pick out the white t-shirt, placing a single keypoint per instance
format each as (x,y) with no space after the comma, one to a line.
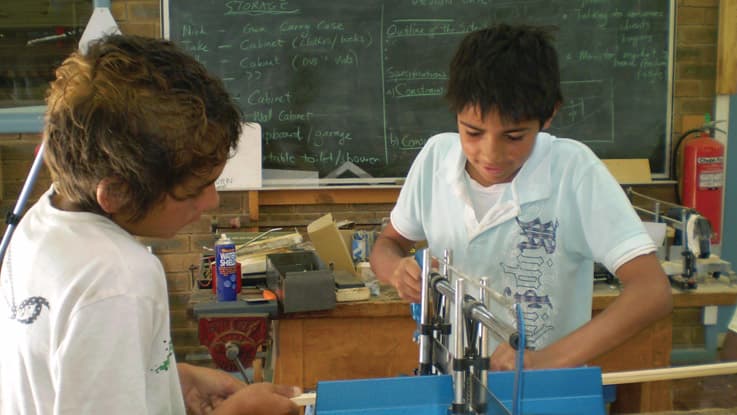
(538,243)
(483,198)
(90,333)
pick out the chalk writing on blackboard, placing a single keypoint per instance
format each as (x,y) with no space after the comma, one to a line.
(360,84)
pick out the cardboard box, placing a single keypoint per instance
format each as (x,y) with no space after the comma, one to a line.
(332,244)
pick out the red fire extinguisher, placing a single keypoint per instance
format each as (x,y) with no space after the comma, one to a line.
(703,179)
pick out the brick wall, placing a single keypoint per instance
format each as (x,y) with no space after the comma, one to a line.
(694,94)
(695,64)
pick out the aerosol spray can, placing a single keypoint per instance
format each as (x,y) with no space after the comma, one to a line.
(225,269)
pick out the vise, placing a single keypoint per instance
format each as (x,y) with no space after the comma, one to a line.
(453,377)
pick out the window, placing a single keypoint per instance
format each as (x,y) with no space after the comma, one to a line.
(35,37)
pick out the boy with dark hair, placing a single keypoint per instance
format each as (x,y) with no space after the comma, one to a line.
(531,211)
(136,133)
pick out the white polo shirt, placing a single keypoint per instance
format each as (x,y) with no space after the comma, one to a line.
(562,212)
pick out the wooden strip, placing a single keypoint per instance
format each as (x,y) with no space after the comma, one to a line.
(305,399)
(707,293)
(727,48)
(253,205)
(669,373)
(327,196)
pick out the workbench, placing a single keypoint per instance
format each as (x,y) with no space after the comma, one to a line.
(369,339)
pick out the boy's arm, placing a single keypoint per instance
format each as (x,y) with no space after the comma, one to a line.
(645,298)
(391,264)
(729,348)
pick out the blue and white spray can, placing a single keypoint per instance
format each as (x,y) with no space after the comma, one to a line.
(226,269)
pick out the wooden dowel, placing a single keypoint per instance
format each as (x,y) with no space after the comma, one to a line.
(305,399)
(669,373)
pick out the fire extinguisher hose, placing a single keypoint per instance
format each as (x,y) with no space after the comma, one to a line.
(674,155)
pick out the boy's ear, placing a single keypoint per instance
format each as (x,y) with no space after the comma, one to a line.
(550,120)
(111,195)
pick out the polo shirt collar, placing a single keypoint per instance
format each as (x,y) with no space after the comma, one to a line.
(533,182)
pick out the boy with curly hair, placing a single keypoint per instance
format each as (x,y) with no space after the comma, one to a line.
(136,133)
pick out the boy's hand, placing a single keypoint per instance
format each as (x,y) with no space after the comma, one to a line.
(260,399)
(505,358)
(406,279)
(210,391)
(204,389)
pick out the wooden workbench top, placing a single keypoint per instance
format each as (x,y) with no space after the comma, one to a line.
(388,303)
(710,292)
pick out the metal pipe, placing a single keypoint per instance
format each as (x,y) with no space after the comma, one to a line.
(675,222)
(502,331)
(499,298)
(445,266)
(652,199)
(479,401)
(459,375)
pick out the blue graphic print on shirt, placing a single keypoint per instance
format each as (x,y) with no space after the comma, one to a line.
(535,255)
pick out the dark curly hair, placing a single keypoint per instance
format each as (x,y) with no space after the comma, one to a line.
(510,69)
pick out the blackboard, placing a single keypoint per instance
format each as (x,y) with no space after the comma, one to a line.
(337,81)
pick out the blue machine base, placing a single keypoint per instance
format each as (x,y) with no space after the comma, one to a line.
(576,391)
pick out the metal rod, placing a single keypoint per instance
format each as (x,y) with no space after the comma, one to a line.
(684,238)
(459,378)
(480,403)
(425,337)
(445,265)
(22,199)
(232,352)
(657,215)
(493,295)
(652,199)
(502,331)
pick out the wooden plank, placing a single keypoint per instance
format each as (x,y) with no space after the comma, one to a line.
(308,398)
(327,196)
(727,48)
(289,360)
(357,348)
